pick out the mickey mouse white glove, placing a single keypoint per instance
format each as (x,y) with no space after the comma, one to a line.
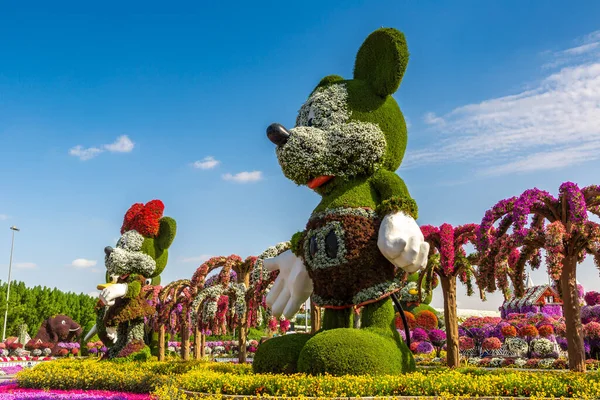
(292,287)
(114,291)
(402,243)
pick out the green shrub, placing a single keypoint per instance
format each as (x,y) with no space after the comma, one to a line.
(348,351)
(279,355)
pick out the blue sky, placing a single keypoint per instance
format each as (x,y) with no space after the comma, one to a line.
(499,98)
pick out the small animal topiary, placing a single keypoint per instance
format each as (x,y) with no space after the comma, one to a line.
(362,238)
(133,267)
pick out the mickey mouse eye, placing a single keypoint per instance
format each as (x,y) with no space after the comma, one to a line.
(311,116)
(148,281)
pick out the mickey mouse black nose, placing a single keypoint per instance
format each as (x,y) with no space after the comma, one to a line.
(108,250)
(278,134)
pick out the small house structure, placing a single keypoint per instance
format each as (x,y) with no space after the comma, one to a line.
(537,299)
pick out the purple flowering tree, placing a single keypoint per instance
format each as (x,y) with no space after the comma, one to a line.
(561,227)
(449,261)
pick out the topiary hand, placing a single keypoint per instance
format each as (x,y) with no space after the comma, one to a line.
(402,243)
(292,287)
(112,292)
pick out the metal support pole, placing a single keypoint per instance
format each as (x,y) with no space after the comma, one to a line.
(12,244)
(306,317)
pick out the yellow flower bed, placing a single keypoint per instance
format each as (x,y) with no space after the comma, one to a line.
(165,378)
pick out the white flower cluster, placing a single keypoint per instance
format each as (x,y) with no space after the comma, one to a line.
(546,363)
(343,150)
(239,306)
(520,362)
(321,260)
(131,240)
(377,291)
(543,347)
(210,293)
(474,361)
(496,362)
(325,107)
(516,345)
(341,211)
(270,252)
(127,258)
(408,297)
(321,302)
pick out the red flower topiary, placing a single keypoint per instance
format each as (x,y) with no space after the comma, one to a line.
(63,352)
(491,343)
(426,320)
(528,331)
(410,320)
(509,331)
(145,219)
(546,330)
(466,343)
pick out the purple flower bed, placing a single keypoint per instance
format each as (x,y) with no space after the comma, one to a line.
(11,370)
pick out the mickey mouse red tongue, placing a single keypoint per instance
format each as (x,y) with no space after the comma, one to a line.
(319,181)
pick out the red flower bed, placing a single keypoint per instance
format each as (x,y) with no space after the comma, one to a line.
(426,320)
(410,320)
(546,331)
(509,331)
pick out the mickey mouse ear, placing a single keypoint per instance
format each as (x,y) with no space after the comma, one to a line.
(381,60)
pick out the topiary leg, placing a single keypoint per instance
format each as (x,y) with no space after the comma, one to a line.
(337,318)
(379,315)
(375,349)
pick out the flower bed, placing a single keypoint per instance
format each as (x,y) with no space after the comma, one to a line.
(26,358)
(167,380)
(9,391)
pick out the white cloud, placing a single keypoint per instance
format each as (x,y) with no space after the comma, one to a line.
(83,263)
(3,217)
(25,265)
(122,145)
(432,119)
(586,49)
(244,177)
(553,125)
(198,259)
(83,153)
(206,163)
(93,294)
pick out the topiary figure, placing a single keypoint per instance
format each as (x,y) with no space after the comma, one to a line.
(349,139)
(409,296)
(133,268)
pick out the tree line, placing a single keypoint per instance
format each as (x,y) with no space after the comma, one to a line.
(34,305)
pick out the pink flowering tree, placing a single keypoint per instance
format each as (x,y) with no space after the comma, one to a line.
(218,303)
(562,228)
(449,261)
(173,307)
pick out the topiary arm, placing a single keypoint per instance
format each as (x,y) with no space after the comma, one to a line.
(134,286)
(296,243)
(393,194)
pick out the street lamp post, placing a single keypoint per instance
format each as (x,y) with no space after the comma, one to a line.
(12,244)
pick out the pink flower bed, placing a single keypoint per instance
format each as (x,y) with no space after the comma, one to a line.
(9,391)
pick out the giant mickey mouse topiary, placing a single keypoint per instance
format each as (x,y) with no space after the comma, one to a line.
(362,239)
